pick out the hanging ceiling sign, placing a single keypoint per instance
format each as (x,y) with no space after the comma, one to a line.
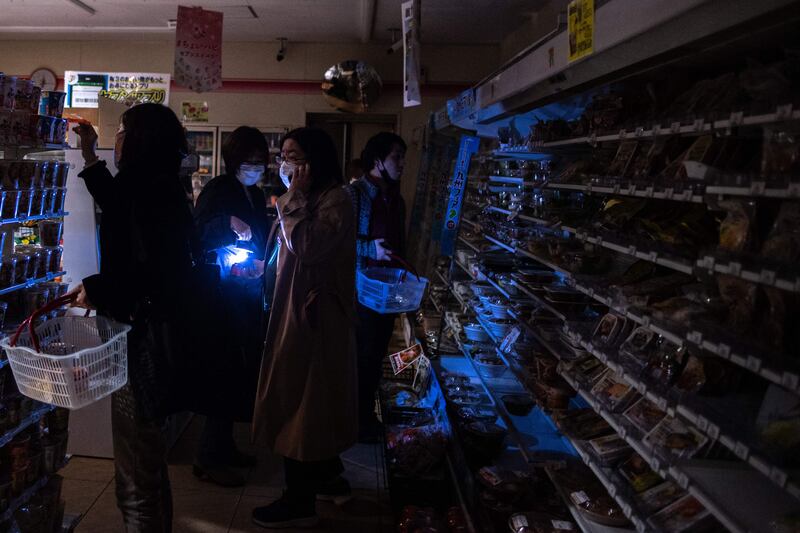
(411,20)
(198,49)
(580,28)
(469,145)
(84,88)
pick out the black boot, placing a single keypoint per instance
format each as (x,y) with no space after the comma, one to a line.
(286,513)
(337,491)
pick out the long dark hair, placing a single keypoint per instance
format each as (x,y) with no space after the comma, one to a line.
(243,143)
(320,156)
(154,139)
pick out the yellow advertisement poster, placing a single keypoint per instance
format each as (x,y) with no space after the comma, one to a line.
(580,17)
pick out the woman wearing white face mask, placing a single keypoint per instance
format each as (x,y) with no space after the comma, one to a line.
(233,225)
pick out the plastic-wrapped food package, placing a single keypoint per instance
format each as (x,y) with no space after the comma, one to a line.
(589,495)
(415,451)
(781,153)
(737,230)
(740,298)
(644,415)
(783,242)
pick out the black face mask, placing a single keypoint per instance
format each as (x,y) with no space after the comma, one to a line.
(386,176)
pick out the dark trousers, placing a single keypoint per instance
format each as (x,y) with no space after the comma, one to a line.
(373,333)
(216,442)
(304,478)
(140,464)
(246,326)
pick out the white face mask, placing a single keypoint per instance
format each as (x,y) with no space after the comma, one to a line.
(286,171)
(249,175)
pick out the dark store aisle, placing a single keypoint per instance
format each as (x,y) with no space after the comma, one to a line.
(201,507)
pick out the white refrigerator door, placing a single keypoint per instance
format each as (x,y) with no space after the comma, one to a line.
(90,427)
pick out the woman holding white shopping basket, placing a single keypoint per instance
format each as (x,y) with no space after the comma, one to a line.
(146,235)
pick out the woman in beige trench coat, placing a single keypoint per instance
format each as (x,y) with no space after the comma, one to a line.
(306,402)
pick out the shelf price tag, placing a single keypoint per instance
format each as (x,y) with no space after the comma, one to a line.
(683,480)
(757,188)
(622,134)
(579,497)
(767,277)
(669,192)
(675,127)
(792,191)
(778,476)
(724,351)
(790,380)
(698,124)
(741,450)
(654,464)
(639,131)
(695,337)
(736,118)
(702,423)
(735,269)
(753,363)
(510,339)
(713,431)
(656,130)
(662,403)
(783,112)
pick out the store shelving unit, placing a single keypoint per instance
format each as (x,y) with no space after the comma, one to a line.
(737,478)
(40,410)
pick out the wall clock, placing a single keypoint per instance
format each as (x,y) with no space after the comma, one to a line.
(44,78)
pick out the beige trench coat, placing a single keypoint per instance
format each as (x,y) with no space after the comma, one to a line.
(306,401)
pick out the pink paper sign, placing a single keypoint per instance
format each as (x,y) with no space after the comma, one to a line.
(198,49)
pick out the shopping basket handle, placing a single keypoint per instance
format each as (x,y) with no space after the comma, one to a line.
(408,266)
(29,322)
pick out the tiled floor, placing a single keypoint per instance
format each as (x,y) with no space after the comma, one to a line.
(202,507)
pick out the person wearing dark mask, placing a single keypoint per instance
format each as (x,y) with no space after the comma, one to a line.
(380,218)
(146,252)
(233,225)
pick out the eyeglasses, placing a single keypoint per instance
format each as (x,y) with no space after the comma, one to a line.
(291,160)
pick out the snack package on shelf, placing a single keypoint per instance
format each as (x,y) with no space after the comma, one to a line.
(638,473)
(675,437)
(737,232)
(588,495)
(686,514)
(614,392)
(781,154)
(609,448)
(644,415)
(656,498)
(415,451)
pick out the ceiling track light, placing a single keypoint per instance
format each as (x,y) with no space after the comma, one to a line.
(89,9)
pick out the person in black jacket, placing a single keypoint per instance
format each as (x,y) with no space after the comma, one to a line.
(146,252)
(232,219)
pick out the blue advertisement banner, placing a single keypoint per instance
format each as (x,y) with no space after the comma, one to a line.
(469,145)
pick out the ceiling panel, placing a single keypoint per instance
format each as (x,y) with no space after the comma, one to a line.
(443,21)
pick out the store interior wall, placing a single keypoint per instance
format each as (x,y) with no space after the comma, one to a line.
(454,65)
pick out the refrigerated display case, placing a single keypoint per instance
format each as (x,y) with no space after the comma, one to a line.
(207,141)
(203,141)
(624,284)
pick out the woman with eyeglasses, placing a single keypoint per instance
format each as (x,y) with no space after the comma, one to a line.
(306,402)
(146,260)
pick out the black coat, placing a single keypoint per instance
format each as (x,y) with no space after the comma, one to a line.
(147,279)
(223,197)
(146,237)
